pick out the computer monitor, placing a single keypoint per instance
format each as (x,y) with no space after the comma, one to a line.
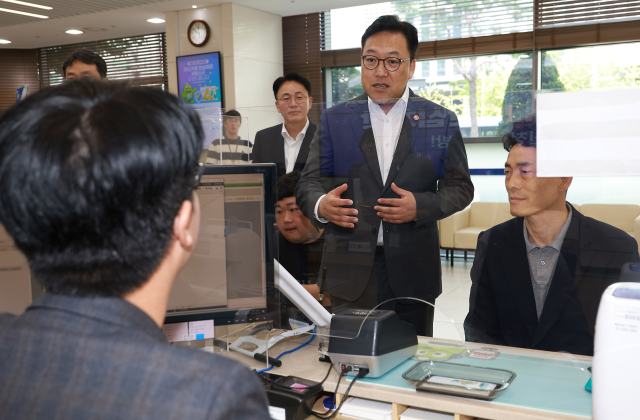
(230,276)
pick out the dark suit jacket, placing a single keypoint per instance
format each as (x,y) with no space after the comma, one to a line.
(429,149)
(502,308)
(103,358)
(268,147)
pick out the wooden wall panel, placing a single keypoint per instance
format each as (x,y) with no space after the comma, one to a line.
(17,68)
(301,53)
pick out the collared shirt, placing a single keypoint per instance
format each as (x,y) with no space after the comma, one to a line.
(292,146)
(543,261)
(386,132)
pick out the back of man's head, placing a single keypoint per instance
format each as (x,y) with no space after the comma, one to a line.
(87,57)
(92,175)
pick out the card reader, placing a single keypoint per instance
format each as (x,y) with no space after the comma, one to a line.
(289,394)
(381,343)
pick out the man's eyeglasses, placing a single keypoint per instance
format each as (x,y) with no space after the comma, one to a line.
(199,172)
(390,63)
(286,99)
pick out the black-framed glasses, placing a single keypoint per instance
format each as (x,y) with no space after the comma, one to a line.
(390,63)
(199,172)
(286,99)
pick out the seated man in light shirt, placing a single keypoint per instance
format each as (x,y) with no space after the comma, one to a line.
(537,279)
(231,149)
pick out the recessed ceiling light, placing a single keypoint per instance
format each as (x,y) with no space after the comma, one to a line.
(74,32)
(28,4)
(194,6)
(155,20)
(5,41)
(17,12)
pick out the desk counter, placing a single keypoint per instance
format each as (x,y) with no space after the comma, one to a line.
(548,385)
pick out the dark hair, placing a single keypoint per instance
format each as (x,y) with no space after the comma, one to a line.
(232,113)
(291,77)
(92,175)
(391,23)
(87,57)
(522,132)
(286,185)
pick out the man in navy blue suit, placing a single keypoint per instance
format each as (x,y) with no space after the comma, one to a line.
(383,168)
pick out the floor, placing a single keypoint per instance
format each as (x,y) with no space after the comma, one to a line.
(453,304)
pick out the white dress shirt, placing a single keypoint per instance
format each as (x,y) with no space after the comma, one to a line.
(386,132)
(292,146)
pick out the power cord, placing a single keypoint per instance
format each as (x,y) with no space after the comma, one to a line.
(362,372)
(290,351)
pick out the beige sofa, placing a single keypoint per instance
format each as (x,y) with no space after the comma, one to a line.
(625,217)
(460,231)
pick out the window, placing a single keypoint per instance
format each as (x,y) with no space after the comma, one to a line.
(435,20)
(344,84)
(442,68)
(426,69)
(140,59)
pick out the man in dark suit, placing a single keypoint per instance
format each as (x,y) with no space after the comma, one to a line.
(287,144)
(97,189)
(537,279)
(382,170)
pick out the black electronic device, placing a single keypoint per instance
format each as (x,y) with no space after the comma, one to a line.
(377,340)
(291,394)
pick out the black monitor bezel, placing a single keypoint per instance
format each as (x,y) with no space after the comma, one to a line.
(271,249)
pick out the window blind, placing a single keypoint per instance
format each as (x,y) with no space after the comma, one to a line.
(140,59)
(434,19)
(17,68)
(554,13)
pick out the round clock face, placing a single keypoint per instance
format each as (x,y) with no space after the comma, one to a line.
(198,32)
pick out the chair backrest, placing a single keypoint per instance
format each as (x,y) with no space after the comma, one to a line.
(621,216)
(488,214)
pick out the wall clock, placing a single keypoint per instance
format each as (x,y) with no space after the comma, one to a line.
(198,32)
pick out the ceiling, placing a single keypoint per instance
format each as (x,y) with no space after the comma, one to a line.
(108,19)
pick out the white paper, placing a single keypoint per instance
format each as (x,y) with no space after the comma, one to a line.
(176,332)
(588,133)
(277,413)
(416,414)
(360,408)
(201,329)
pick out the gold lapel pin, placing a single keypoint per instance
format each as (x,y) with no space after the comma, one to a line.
(415,117)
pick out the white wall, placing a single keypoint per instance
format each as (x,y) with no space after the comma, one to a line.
(583,190)
(250,43)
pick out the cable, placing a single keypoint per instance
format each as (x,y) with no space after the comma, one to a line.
(291,351)
(361,374)
(328,372)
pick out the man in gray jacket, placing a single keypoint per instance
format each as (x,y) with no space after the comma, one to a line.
(97,190)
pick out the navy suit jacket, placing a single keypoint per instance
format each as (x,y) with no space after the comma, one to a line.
(268,147)
(430,161)
(103,358)
(502,307)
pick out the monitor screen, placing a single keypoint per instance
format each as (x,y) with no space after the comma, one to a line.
(229,277)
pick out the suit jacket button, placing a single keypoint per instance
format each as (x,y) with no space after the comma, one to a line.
(374,230)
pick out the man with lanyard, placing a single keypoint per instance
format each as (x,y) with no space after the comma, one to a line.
(230,149)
